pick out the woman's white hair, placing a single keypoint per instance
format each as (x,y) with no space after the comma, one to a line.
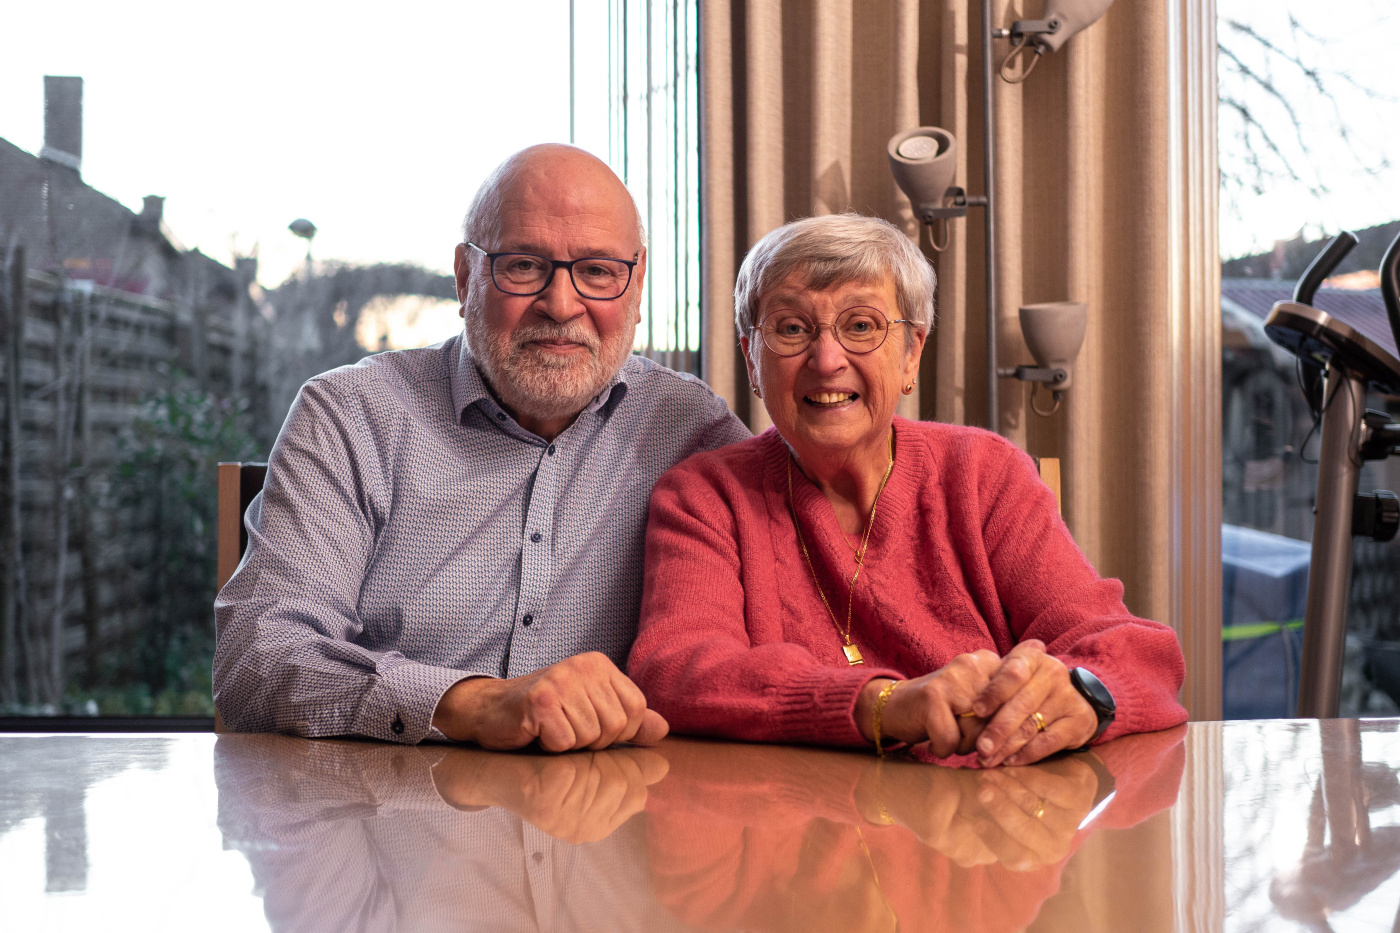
(837,249)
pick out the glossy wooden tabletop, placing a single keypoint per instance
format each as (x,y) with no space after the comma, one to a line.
(1239,826)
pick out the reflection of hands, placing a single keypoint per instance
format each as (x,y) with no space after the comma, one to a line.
(581,702)
(930,805)
(1035,812)
(575,798)
(786,838)
(928,707)
(1029,681)
(1020,817)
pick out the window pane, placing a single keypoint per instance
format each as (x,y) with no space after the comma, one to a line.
(1307,116)
(202,226)
(649,133)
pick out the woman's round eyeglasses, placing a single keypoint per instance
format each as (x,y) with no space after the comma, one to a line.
(524,274)
(860,330)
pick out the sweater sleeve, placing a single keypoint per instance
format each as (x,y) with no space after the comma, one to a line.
(694,658)
(1050,591)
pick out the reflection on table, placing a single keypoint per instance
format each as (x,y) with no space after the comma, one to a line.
(1345,857)
(343,834)
(1251,825)
(362,836)
(48,777)
(791,839)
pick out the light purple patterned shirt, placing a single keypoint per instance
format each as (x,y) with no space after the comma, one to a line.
(411,533)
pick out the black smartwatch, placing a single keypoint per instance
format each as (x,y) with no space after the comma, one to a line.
(1097,696)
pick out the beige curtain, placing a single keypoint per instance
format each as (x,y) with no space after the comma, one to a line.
(1105,188)
(797,100)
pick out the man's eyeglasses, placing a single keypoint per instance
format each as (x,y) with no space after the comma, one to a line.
(859,330)
(526,274)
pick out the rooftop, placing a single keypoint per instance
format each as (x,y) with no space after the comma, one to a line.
(1363,309)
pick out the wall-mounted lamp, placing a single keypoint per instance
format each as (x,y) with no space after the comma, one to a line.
(923,159)
(1060,19)
(1054,332)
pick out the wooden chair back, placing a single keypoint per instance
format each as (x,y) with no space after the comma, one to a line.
(238,484)
(1049,468)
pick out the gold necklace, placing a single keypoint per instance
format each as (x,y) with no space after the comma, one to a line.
(879,889)
(853,655)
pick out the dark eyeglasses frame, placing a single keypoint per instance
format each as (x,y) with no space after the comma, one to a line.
(558,264)
(764,331)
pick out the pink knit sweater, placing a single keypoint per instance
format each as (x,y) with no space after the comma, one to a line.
(967,551)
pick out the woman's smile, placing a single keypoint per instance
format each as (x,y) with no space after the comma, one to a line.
(828,400)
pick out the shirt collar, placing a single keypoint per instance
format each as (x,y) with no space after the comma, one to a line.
(469,386)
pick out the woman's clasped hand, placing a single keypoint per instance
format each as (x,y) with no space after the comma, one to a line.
(982,703)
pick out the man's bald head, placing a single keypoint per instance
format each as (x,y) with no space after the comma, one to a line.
(545,354)
(561,168)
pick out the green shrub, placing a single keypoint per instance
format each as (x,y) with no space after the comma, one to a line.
(165,483)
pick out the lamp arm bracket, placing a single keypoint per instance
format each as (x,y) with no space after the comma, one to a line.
(1024,28)
(929,214)
(955,204)
(1051,376)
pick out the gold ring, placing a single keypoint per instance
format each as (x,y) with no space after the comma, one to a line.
(1039,721)
(967,714)
(1039,809)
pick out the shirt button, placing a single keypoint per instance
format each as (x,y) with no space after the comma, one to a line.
(528,619)
(550,450)
(397,726)
(500,416)
(536,537)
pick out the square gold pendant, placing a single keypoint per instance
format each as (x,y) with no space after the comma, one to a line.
(852,655)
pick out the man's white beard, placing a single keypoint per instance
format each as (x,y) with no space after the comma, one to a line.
(536,383)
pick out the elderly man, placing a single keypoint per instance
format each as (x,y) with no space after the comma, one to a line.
(449,541)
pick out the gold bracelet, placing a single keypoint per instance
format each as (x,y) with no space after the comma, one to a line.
(880,702)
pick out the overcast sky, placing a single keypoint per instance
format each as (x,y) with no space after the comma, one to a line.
(1357,38)
(378,127)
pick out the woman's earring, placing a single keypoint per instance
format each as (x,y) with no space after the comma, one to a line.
(756,391)
(909,388)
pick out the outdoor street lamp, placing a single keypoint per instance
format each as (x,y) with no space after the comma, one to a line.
(307,231)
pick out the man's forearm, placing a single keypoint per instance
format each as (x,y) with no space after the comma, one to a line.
(583,701)
(278,675)
(460,708)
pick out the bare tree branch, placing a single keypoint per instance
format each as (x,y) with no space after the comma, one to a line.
(1256,100)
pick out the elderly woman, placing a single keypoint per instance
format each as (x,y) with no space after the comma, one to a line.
(853,578)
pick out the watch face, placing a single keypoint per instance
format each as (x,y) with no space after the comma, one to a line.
(1093,689)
